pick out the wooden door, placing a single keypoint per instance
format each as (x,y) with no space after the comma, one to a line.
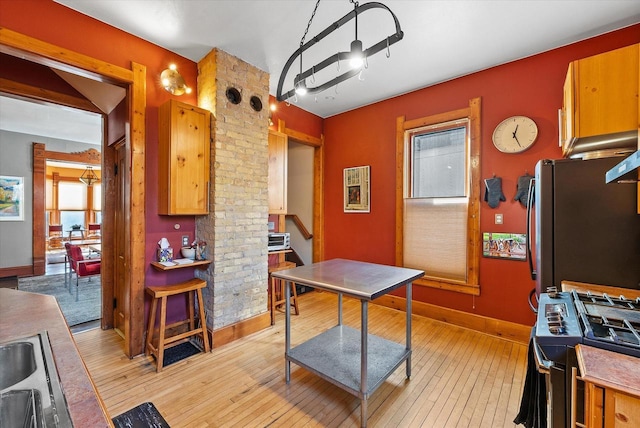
(119,283)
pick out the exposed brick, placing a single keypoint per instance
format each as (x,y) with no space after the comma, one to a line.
(236,225)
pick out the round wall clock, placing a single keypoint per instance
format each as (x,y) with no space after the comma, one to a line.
(515,134)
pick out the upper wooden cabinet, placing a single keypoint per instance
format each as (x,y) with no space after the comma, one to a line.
(600,96)
(184,146)
(278,153)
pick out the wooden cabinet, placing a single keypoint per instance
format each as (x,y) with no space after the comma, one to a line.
(277,173)
(600,96)
(184,146)
(612,388)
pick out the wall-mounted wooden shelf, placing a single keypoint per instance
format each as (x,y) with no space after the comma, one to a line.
(200,264)
(279,251)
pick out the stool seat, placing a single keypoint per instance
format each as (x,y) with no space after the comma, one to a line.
(277,291)
(161,292)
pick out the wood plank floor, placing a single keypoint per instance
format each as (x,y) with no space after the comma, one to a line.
(460,378)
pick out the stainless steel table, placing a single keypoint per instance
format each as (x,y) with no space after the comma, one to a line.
(333,354)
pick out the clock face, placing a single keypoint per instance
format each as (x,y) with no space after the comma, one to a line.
(515,134)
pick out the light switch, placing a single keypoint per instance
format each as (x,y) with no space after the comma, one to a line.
(498,218)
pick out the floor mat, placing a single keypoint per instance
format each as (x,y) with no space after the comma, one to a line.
(143,416)
(179,352)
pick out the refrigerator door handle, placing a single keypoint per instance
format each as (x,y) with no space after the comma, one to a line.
(530,202)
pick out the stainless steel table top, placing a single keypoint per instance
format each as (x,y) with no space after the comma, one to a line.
(361,280)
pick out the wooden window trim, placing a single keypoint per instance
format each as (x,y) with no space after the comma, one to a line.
(474,242)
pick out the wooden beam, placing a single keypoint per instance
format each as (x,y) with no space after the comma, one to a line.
(34,50)
(46,96)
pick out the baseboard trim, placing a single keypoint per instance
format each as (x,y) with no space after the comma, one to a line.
(17,271)
(243,328)
(495,327)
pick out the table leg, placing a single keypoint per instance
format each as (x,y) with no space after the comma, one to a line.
(364,342)
(339,308)
(287,330)
(408,328)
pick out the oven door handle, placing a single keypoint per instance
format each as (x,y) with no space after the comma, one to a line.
(533,294)
(544,366)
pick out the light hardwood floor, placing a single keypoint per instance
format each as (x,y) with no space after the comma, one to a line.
(460,378)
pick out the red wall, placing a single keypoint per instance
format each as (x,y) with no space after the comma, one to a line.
(531,87)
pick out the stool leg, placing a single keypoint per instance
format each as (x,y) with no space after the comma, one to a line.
(152,322)
(163,322)
(203,321)
(294,294)
(192,324)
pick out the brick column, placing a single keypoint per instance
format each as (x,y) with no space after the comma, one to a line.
(236,227)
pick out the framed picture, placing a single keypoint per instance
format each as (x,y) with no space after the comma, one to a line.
(356,190)
(504,245)
(11,198)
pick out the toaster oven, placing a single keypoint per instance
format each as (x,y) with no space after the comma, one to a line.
(279,241)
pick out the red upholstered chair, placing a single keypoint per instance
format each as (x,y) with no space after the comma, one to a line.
(79,265)
(94,231)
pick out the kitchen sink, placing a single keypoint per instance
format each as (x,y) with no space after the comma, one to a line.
(30,391)
(18,362)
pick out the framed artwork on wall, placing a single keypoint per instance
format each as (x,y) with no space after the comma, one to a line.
(509,246)
(356,190)
(11,198)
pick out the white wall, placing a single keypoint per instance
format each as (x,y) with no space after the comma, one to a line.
(16,237)
(300,197)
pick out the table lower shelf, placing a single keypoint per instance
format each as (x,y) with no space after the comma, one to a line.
(335,356)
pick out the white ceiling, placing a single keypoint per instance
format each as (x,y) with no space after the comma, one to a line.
(442,40)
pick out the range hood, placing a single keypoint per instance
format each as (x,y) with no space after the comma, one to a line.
(626,171)
(600,146)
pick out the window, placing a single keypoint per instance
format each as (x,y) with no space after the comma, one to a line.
(438,198)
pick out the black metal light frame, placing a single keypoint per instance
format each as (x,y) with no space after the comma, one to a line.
(340,56)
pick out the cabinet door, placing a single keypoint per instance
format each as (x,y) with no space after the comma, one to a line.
(566,123)
(600,96)
(183,159)
(277,173)
(621,410)
(607,92)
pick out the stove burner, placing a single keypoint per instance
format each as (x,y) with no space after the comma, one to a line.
(609,320)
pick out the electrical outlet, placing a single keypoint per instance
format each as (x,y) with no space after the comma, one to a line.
(185,240)
(498,218)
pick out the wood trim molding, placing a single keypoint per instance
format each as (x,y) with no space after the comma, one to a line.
(38,248)
(17,271)
(37,51)
(136,184)
(318,184)
(474,238)
(45,95)
(89,156)
(495,327)
(25,47)
(241,329)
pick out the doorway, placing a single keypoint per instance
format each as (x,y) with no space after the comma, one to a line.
(133,80)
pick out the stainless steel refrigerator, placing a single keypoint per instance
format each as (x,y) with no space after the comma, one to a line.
(585,230)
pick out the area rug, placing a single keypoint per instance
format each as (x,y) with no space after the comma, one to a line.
(179,352)
(89,293)
(143,416)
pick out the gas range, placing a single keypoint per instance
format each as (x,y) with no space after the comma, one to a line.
(568,318)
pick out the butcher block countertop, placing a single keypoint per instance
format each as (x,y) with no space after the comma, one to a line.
(609,369)
(24,314)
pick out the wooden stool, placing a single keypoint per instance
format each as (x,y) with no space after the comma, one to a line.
(277,291)
(162,292)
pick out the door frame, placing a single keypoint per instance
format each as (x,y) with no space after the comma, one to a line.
(134,80)
(318,184)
